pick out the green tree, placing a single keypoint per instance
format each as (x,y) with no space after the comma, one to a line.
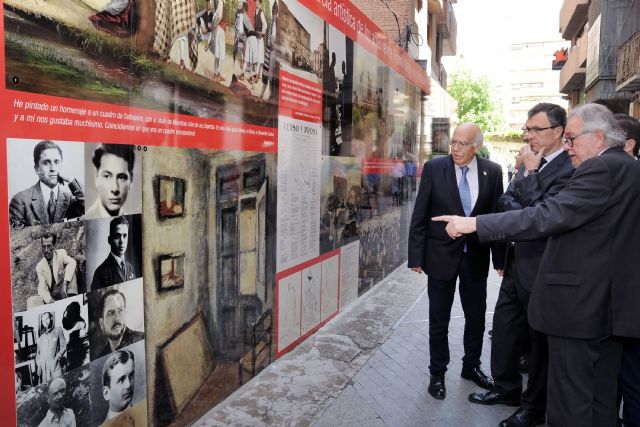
(475,103)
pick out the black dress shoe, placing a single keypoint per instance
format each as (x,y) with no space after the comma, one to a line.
(524,418)
(436,386)
(495,398)
(477,376)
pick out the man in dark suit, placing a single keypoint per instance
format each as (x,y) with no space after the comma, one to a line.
(115,269)
(546,169)
(117,335)
(50,200)
(587,289)
(468,184)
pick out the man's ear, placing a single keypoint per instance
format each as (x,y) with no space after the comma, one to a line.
(101,323)
(106,392)
(629,145)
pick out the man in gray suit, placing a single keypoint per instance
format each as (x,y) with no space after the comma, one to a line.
(545,170)
(51,199)
(587,289)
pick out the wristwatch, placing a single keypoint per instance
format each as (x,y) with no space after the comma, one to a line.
(532,171)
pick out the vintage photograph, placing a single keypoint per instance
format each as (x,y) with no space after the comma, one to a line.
(119,387)
(116,317)
(339,201)
(46,182)
(337,88)
(170,272)
(170,197)
(207,58)
(51,341)
(302,44)
(48,264)
(114,180)
(114,246)
(64,400)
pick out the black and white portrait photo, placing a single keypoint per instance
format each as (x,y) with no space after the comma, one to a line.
(63,401)
(46,181)
(51,340)
(118,384)
(114,180)
(114,248)
(47,264)
(117,318)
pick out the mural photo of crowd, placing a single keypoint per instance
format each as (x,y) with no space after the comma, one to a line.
(220,53)
(74,258)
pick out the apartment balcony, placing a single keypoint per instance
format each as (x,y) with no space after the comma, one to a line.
(447,25)
(572,75)
(573,16)
(628,65)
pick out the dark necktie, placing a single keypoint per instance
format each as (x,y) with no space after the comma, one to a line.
(122,269)
(543,161)
(53,277)
(51,207)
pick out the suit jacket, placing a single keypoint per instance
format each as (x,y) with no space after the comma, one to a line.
(64,268)
(529,191)
(27,207)
(109,273)
(588,284)
(430,247)
(129,337)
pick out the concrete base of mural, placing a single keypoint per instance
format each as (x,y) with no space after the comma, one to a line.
(300,385)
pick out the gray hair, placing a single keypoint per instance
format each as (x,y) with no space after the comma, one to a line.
(597,117)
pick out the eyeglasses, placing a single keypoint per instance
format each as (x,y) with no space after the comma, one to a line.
(461,143)
(569,140)
(534,131)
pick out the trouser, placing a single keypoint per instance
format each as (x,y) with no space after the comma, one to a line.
(583,380)
(473,296)
(511,331)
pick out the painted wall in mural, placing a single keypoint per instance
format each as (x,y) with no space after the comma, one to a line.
(192,188)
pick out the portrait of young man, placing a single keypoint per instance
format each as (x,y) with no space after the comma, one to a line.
(58,171)
(113,180)
(115,250)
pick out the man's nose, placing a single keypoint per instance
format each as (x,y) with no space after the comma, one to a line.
(114,187)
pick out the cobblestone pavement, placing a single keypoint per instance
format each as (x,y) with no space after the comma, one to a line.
(367,367)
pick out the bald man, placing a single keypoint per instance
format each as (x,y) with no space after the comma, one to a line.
(58,415)
(467,184)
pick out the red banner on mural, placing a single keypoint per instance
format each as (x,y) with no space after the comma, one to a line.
(33,115)
(300,98)
(343,15)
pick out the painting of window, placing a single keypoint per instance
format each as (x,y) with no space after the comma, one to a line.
(170,197)
(171,271)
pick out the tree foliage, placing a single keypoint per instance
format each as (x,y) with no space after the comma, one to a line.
(475,103)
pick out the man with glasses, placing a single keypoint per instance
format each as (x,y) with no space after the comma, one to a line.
(469,185)
(546,168)
(586,293)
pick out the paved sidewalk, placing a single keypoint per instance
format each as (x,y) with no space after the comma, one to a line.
(368,367)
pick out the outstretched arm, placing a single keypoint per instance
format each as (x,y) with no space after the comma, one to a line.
(457,225)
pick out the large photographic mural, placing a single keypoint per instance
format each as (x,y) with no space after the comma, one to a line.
(191,188)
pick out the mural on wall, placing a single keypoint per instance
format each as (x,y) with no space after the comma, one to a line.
(207,58)
(217,334)
(270,184)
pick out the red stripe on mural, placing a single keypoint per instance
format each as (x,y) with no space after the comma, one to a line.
(347,18)
(35,116)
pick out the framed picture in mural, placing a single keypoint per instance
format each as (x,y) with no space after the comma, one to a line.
(170,271)
(170,197)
